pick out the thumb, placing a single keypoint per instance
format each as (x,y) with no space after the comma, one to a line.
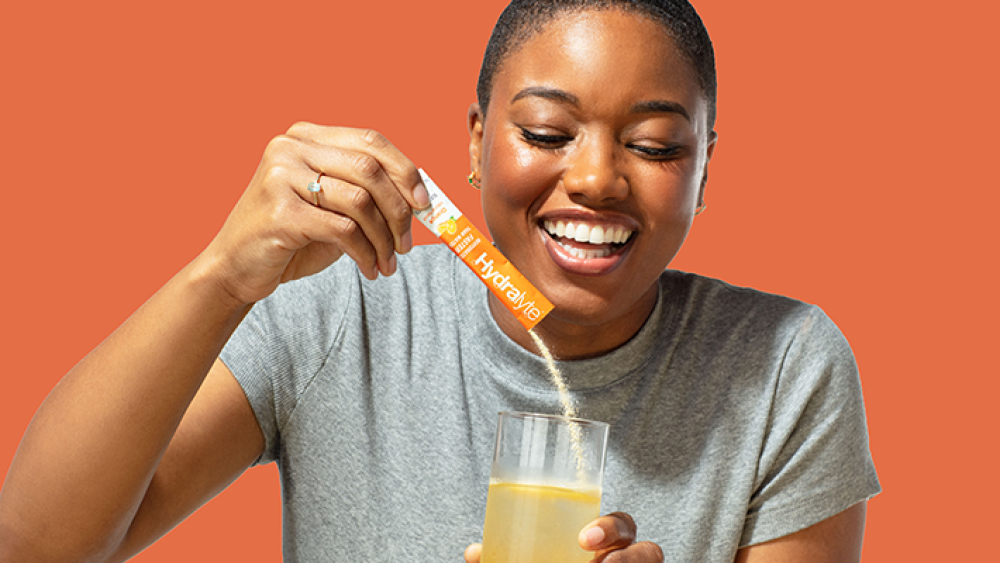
(473,552)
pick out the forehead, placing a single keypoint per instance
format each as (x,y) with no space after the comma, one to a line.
(604,56)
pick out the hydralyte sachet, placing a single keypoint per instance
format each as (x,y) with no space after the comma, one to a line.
(492,267)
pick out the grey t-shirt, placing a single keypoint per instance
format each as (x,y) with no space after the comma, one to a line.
(736,416)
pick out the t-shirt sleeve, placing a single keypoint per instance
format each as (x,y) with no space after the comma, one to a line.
(284,341)
(815,460)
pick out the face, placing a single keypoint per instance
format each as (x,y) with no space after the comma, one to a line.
(592,159)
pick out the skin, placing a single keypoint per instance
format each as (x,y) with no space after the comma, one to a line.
(63,500)
(588,154)
(150,425)
(577,130)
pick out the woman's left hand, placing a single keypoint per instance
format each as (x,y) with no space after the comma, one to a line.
(611,534)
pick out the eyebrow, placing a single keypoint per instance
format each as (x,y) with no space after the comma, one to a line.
(553,94)
(561,96)
(660,106)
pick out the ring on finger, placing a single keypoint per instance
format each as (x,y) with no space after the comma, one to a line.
(316,188)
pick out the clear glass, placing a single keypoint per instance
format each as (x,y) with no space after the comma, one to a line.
(545,486)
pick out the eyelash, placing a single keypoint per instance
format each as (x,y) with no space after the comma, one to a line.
(545,141)
(555,142)
(659,154)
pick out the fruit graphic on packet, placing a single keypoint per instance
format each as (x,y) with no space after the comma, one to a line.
(449,226)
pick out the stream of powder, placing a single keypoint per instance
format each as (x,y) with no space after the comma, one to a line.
(568,407)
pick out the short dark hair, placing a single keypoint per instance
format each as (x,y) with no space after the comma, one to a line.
(523,19)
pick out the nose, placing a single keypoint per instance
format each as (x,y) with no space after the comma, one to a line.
(593,174)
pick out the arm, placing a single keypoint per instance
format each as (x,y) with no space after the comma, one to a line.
(126,444)
(837,539)
(89,455)
(218,438)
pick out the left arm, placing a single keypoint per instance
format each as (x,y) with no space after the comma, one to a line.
(834,540)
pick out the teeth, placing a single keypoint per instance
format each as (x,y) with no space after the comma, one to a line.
(596,236)
(586,254)
(582,232)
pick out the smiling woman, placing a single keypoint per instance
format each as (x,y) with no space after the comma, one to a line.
(738,431)
(586,128)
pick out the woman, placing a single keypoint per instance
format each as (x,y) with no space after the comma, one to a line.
(737,426)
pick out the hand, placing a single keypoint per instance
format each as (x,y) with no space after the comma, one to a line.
(276,232)
(611,538)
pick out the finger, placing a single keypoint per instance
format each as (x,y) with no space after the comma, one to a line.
(366,172)
(642,552)
(345,234)
(473,553)
(358,204)
(304,224)
(400,169)
(332,222)
(342,197)
(616,530)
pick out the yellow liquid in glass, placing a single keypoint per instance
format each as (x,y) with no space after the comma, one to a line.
(537,524)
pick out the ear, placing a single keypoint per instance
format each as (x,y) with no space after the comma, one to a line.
(476,119)
(713,138)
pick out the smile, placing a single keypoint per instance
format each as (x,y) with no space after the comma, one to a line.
(565,233)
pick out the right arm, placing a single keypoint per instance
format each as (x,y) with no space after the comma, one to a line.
(150,425)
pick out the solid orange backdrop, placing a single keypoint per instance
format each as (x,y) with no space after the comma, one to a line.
(851,172)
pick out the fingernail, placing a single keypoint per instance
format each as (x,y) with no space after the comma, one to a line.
(593,536)
(420,196)
(406,242)
(392,265)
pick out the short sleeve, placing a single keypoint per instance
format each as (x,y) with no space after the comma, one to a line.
(284,341)
(815,460)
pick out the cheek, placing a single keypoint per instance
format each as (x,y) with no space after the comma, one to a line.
(669,190)
(515,178)
(668,199)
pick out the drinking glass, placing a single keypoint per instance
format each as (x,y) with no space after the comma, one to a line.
(545,486)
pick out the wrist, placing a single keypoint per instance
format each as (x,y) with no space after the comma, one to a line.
(202,279)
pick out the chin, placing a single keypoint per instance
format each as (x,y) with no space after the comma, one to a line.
(577,306)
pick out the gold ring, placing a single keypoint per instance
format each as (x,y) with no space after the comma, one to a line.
(315,188)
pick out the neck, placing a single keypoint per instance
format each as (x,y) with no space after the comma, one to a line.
(570,339)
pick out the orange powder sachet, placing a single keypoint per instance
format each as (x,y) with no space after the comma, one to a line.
(492,267)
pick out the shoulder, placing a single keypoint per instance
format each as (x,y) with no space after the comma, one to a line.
(427,277)
(788,346)
(718,297)
(711,306)
(425,266)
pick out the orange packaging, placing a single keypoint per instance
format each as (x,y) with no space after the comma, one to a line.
(492,267)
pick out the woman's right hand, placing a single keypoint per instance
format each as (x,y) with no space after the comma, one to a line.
(276,232)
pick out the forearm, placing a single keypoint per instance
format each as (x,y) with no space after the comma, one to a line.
(87,458)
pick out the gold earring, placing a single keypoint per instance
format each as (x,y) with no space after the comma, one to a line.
(701,209)
(474,181)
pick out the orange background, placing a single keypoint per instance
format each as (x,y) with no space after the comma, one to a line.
(852,172)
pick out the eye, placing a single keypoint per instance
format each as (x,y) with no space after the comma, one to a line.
(657,153)
(545,141)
